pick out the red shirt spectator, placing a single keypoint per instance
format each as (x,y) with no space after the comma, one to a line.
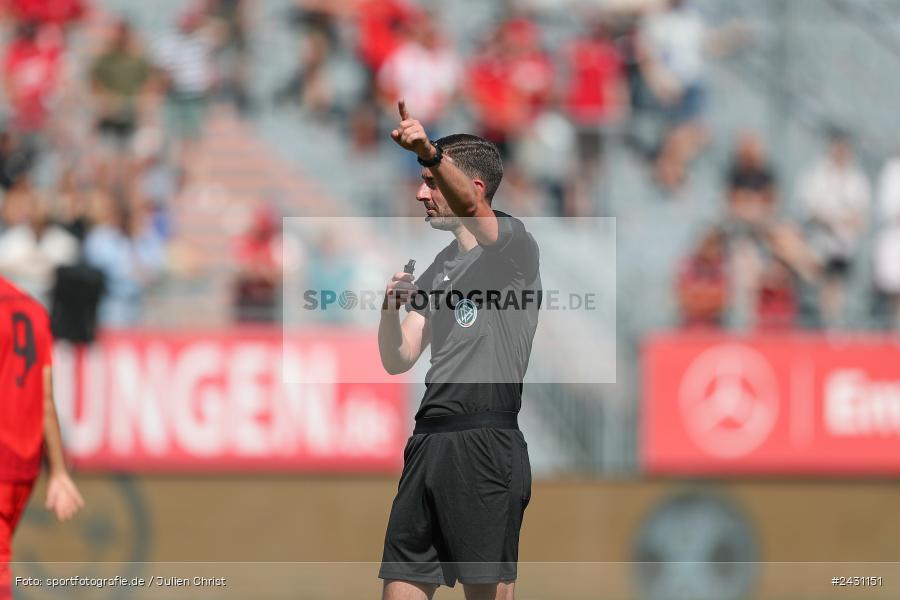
(423,70)
(380,29)
(45,12)
(510,83)
(259,257)
(703,284)
(31,71)
(495,101)
(595,69)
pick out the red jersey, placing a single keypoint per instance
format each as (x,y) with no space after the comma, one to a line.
(508,93)
(25,351)
(379,26)
(32,69)
(46,11)
(595,70)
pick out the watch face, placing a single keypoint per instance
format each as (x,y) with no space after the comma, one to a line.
(695,546)
(439,154)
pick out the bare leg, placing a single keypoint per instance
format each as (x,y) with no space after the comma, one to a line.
(405,590)
(490,591)
(681,146)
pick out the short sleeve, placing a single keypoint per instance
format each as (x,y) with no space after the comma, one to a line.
(515,245)
(45,348)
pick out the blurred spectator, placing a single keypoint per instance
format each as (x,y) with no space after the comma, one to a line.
(232,20)
(311,85)
(156,181)
(16,158)
(316,23)
(763,278)
(33,246)
(31,73)
(702,283)
(380,32)
(887,245)
(120,78)
(130,254)
(120,75)
(777,265)
(835,195)
(769,263)
(320,16)
(794,268)
(510,82)
(674,65)
(673,45)
(74,197)
(594,93)
(546,151)
(750,170)
(424,70)
(776,299)
(258,253)
(46,12)
(595,97)
(750,184)
(185,58)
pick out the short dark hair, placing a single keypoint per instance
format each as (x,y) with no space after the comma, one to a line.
(477,158)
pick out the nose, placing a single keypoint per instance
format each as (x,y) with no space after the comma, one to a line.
(423,194)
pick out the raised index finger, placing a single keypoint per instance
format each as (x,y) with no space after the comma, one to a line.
(404,114)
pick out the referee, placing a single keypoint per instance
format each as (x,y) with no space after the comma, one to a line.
(466,476)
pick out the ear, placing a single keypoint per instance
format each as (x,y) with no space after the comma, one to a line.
(481,187)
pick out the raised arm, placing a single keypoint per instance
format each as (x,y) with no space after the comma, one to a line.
(464,195)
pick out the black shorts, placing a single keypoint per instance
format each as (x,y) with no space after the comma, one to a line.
(459,508)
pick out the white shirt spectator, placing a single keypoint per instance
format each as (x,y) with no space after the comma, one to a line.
(887,246)
(677,38)
(187,59)
(129,265)
(887,261)
(837,196)
(548,148)
(426,78)
(29,261)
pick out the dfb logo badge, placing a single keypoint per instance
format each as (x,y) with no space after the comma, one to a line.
(466,312)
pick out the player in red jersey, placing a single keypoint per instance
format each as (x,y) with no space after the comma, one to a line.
(28,423)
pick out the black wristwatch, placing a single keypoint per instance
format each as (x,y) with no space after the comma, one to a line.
(435,160)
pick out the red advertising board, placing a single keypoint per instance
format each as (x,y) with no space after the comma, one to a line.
(235,400)
(771,405)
